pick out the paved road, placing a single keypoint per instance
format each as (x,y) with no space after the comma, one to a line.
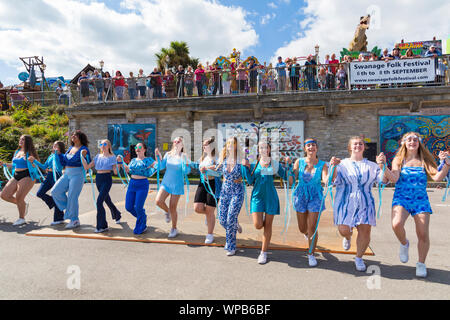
(46,268)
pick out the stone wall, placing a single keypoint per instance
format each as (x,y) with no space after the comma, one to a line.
(331,118)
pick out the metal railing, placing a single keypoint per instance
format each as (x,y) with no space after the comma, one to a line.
(217,82)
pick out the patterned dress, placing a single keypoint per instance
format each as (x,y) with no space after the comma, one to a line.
(411,191)
(354,203)
(231,200)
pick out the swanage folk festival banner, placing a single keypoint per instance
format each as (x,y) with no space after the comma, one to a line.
(393,71)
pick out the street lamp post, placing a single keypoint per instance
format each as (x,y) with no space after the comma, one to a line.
(317,52)
(43,67)
(102,63)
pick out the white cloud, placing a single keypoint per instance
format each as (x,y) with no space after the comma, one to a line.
(331,24)
(266,18)
(69,33)
(272,5)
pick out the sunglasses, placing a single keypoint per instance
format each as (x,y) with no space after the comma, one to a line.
(103,144)
(138,148)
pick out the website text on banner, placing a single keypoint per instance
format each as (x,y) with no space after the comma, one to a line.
(392,71)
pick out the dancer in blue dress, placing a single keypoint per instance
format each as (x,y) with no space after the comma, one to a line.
(232,193)
(54,167)
(410,168)
(23,179)
(308,193)
(177,167)
(265,204)
(354,205)
(140,169)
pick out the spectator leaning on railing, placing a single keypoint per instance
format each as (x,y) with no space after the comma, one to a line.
(83,83)
(253,75)
(132,86)
(108,88)
(180,81)
(310,72)
(189,81)
(331,75)
(119,85)
(217,83)
(199,73)
(141,84)
(341,77)
(294,74)
(98,83)
(156,82)
(281,74)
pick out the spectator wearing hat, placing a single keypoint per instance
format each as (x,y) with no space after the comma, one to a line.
(433,52)
(281,74)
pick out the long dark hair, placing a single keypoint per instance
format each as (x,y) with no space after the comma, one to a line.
(28,147)
(82,137)
(61,146)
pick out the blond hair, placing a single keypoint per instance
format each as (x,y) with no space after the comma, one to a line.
(349,144)
(424,154)
(223,153)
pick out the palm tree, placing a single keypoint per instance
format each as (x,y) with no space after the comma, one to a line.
(177,54)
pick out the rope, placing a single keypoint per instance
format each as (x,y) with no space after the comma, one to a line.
(381,187)
(186,180)
(329,189)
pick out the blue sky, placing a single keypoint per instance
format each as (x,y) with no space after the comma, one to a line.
(126,34)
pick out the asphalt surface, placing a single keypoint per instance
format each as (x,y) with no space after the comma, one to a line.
(66,269)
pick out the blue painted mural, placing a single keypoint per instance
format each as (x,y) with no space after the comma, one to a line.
(124,137)
(434,130)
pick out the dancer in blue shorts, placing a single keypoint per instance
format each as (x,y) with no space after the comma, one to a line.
(410,168)
(265,204)
(308,194)
(177,167)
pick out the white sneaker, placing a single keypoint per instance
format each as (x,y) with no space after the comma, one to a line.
(306,237)
(118,221)
(312,260)
(262,259)
(73,224)
(404,256)
(55,223)
(231,253)
(101,230)
(346,244)
(173,233)
(209,238)
(167,214)
(19,222)
(239,228)
(360,265)
(421,270)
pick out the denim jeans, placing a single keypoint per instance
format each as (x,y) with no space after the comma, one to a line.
(71,183)
(48,183)
(132,93)
(100,94)
(103,181)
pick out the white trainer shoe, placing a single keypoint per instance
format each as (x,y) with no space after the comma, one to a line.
(312,260)
(346,244)
(231,253)
(262,259)
(101,230)
(404,256)
(173,233)
(360,265)
(55,223)
(209,238)
(19,222)
(73,224)
(118,221)
(421,270)
(167,214)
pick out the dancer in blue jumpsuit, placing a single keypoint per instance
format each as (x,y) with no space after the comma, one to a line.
(72,181)
(140,169)
(265,204)
(232,193)
(104,163)
(177,168)
(410,168)
(54,166)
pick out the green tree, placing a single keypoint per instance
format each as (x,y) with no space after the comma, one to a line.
(177,54)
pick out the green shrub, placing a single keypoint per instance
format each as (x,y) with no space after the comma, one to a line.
(37,130)
(5,121)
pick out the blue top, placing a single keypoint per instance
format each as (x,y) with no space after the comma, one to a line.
(20,163)
(104,163)
(75,160)
(173,181)
(49,163)
(281,69)
(308,183)
(264,195)
(142,167)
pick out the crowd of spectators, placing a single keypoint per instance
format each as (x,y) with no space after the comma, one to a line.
(239,78)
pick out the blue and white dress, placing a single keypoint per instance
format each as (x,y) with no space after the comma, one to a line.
(354,203)
(176,169)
